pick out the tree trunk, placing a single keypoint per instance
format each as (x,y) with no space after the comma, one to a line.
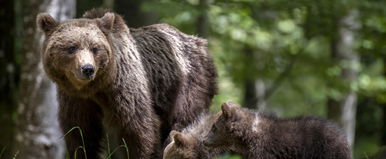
(343,110)
(202,20)
(109,4)
(254,94)
(250,94)
(383,129)
(8,74)
(383,108)
(38,135)
(133,14)
(254,87)
(85,5)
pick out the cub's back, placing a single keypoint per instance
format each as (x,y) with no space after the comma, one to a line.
(319,137)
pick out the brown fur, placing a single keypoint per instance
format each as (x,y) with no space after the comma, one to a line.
(147,81)
(270,137)
(188,144)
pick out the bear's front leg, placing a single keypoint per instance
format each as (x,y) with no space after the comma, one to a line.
(77,112)
(143,137)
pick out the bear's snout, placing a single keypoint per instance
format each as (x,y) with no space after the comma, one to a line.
(87,71)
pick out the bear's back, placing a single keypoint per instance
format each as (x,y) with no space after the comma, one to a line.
(159,60)
(187,71)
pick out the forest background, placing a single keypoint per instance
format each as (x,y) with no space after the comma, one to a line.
(298,57)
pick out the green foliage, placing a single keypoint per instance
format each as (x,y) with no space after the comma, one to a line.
(266,39)
(229,156)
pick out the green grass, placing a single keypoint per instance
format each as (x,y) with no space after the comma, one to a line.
(366,147)
(83,147)
(229,156)
(2,152)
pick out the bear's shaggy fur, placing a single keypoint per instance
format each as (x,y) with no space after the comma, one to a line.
(257,135)
(144,82)
(188,144)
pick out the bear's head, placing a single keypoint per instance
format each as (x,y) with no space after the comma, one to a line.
(183,146)
(77,54)
(229,127)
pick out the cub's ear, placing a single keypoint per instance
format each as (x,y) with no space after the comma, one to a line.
(106,23)
(46,23)
(230,110)
(179,138)
(172,133)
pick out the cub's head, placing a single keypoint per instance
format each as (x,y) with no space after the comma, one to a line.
(183,146)
(228,128)
(76,53)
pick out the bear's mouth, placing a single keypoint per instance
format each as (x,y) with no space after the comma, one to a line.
(85,78)
(79,80)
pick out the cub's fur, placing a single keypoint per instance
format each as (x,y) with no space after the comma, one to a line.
(257,135)
(188,144)
(144,81)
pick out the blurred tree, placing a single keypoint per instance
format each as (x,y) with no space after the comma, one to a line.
(253,87)
(85,5)
(202,20)
(133,13)
(343,108)
(255,91)
(8,73)
(383,137)
(38,135)
(109,4)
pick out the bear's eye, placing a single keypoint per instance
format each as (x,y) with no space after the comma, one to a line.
(71,49)
(94,50)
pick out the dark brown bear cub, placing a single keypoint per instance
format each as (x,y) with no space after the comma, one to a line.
(143,82)
(260,136)
(188,144)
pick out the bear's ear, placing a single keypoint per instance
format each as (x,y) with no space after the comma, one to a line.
(179,138)
(172,133)
(230,110)
(106,22)
(46,23)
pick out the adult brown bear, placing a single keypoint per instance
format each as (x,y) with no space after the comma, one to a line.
(144,82)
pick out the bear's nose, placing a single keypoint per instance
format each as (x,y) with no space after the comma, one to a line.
(87,70)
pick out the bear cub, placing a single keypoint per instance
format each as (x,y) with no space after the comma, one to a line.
(188,144)
(258,135)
